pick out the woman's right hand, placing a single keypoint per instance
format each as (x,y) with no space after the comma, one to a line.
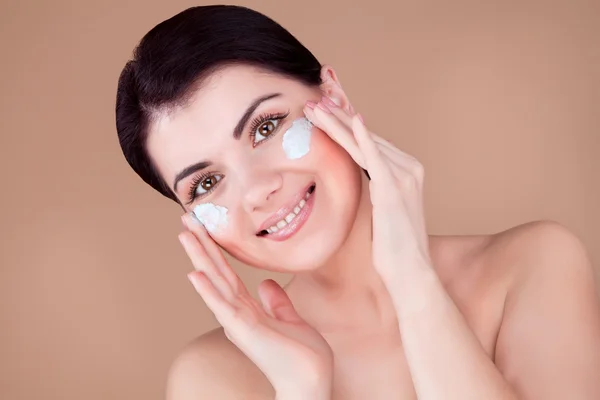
(293,356)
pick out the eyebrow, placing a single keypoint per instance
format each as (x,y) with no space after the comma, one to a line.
(237,134)
(239,128)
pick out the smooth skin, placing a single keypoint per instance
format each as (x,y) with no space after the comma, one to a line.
(511,315)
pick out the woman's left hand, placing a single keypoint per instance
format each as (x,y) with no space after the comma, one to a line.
(400,239)
(401,257)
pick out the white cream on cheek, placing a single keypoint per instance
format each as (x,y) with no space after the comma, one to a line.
(296,140)
(213,217)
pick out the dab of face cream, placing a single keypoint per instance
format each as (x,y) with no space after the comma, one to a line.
(296,140)
(213,217)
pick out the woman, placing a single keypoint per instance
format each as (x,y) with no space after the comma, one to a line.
(226,113)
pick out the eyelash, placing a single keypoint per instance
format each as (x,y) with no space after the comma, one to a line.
(192,195)
(261,119)
(256,123)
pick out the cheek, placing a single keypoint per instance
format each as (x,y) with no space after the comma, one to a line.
(336,167)
(327,152)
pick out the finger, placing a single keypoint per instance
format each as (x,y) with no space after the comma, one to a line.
(337,131)
(214,252)
(237,287)
(219,305)
(404,168)
(376,164)
(240,323)
(329,106)
(202,262)
(339,112)
(276,302)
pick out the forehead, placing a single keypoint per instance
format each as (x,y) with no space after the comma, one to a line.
(200,130)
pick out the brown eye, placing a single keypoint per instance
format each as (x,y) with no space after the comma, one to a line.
(265,130)
(207,184)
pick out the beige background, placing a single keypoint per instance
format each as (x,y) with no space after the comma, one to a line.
(500,102)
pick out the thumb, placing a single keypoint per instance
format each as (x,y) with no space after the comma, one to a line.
(276,302)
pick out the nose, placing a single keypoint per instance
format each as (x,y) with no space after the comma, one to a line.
(260,188)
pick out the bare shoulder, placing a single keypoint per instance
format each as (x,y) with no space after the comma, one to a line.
(509,256)
(211,367)
(536,247)
(547,260)
(486,269)
(551,308)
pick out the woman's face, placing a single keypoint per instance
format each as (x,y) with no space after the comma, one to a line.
(251,176)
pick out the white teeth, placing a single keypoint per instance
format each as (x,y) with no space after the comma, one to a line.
(288,218)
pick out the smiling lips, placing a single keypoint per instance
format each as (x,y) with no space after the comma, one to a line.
(288,220)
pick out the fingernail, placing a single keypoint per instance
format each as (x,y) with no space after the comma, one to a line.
(189,219)
(323,107)
(190,276)
(328,102)
(308,117)
(311,104)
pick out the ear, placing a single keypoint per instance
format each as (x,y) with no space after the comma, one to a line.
(332,88)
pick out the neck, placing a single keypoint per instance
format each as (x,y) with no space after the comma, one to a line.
(346,291)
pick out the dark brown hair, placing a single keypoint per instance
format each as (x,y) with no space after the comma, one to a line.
(173,58)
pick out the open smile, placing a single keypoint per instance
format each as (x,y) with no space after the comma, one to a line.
(288,220)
